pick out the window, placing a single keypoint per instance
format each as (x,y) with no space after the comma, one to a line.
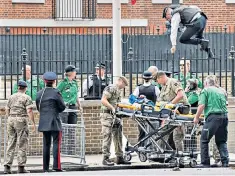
(75,9)
(29,1)
(109,1)
(164,1)
(230,1)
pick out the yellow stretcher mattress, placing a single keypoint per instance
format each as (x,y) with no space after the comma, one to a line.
(157,108)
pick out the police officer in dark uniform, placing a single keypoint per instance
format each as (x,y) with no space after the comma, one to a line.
(195,22)
(49,104)
(148,90)
(93,87)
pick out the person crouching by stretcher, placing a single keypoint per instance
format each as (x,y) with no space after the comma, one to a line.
(192,92)
(173,93)
(149,91)
(111,125)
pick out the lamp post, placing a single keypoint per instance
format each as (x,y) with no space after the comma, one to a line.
(24,56)
(117,35)
(130,58)
(232,57)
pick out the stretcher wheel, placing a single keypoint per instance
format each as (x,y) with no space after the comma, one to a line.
(181,163)
(193,163)
(128,157)
(142,157)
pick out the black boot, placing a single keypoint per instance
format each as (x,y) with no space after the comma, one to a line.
(106,161)
(204,44)
(225,164)
(7,169)
(58,170)
(210,53)
(21,169)
(120,160)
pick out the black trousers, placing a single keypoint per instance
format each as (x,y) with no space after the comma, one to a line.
(216,124)
(195,29)
(69,117)
(141,136)
(56,135)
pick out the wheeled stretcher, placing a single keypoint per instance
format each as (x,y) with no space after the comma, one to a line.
(173,116)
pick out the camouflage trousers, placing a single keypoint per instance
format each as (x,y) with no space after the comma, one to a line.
(111,129)
(17,130)
(178,137)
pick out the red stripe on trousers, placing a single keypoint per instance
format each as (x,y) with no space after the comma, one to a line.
(59,142)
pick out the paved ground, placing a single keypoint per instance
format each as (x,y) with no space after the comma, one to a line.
(209,171)
(94,166)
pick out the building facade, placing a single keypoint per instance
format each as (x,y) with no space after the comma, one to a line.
(96,13)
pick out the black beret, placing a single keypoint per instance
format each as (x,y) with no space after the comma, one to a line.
(168,73)
(49,76)
(147,75)
(100,65)
(71,68)
(22,83)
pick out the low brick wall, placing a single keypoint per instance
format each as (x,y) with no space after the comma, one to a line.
(93,128)
(136,79)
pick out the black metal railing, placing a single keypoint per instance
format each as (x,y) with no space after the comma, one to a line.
(51,49)
(74,9)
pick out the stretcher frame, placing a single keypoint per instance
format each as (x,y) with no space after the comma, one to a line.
(167,155)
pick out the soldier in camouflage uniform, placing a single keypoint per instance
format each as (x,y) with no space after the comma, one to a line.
(18,107)
(112,125)
(172,92)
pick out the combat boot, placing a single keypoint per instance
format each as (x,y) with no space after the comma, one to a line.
(204,44)
(120,160)
(106,161)
(7,170)
(21,169)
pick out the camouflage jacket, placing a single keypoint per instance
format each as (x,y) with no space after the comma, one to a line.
(113,95)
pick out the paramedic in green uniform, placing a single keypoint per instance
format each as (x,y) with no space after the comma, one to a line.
(37,84)
(212,101)
(69,91)
(192,92)
(185,74)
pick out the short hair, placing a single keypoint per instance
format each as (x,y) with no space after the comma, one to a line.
(49,83)
(210,80)
(160,73)
(154,69)
(21,88)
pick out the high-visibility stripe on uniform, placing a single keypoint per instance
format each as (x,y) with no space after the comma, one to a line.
(58,155)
